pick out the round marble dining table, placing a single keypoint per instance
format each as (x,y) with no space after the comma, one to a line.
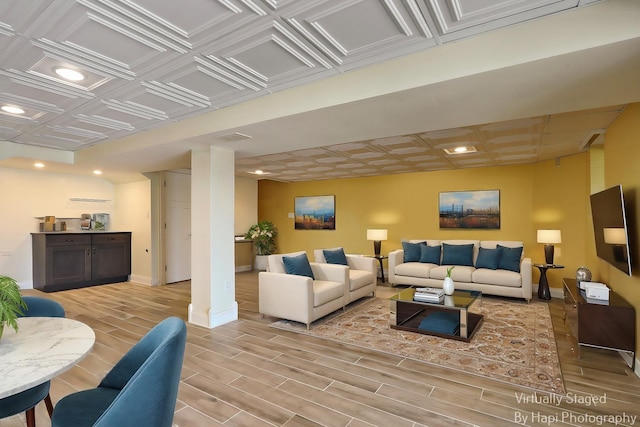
(43,348)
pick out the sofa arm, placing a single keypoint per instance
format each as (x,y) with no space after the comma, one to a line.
(395,258)
(331,272)
(525,272)
(285,295)
(365,263)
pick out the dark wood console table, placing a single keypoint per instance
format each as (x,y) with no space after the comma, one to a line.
(609,324)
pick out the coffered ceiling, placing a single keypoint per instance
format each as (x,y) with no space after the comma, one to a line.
(164,77)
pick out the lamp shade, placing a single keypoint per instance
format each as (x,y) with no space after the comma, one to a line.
(549,236)
(376,234)
(614,236)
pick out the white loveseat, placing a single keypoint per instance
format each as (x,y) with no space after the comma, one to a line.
(301,298)
(363,276)
(491,281)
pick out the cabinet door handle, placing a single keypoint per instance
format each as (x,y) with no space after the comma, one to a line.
(88,251)
(94,250)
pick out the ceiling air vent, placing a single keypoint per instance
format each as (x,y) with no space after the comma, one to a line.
(236,136)
(592,138)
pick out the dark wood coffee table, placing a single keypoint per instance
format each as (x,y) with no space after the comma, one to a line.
(449,319)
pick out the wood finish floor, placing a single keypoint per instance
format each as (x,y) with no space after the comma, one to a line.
(247,374)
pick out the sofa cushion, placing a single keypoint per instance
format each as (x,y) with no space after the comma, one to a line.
(488,258)
(325,291)
(411,251)
(510,258)
(457,254)
(335,256)
(414,269)
(497,277)
(360,278)
(461,273)
(430,254)
(298,265)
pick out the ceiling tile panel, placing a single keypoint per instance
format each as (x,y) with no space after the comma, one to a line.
(349,32)
(474,16)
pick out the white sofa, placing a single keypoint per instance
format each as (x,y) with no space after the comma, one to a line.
(363,276)
(300,298)
(489,281)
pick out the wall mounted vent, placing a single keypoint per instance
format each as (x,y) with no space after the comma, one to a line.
(236,136)
(594,137)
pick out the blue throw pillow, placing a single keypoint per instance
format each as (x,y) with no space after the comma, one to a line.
(510,258)
(457,254)
(411,251)
(489,258)
(298,265)
(430,254)
(441,322)
(335,256)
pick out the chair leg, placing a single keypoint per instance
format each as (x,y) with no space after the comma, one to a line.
(47,401)
(31,417)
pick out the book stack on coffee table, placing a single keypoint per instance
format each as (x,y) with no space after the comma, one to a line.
(433,295)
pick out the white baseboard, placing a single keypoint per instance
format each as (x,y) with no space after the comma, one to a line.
(240,268)
(145,280)
(555,292)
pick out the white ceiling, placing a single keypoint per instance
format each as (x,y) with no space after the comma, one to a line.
(324,88)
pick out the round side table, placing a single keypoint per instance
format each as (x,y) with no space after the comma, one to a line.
(543,285)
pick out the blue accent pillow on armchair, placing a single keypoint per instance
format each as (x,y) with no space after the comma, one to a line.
(430,254)
(412,251)
(298,265)
(489,258)
(457,254)
(510,258)
(335,256)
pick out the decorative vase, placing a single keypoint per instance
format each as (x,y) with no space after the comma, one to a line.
(261,263)
(583,274)
(448,286)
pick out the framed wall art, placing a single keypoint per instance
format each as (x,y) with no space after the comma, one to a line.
(315,213)
(470,209)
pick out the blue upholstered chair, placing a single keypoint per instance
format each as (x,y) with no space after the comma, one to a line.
(140,390)
(27,400)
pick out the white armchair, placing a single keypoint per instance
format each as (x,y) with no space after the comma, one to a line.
(301,298)
(363,274)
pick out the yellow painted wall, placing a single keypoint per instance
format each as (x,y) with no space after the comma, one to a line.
(622,163)
(532,196)
(561,191)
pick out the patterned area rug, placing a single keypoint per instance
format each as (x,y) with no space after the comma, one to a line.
(515,343)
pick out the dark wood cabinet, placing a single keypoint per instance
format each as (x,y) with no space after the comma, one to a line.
(603,324)
(75,260)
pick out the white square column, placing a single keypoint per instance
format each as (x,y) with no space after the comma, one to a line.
(212,239)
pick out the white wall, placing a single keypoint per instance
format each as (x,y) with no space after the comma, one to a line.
(133,213)
(27,194)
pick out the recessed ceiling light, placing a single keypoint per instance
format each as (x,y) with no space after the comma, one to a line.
(461,150)
(97,172)
(69,74)
(38,165)
(259,172)
(13,110)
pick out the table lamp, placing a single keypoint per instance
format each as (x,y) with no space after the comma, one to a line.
(377,235)
(549,237)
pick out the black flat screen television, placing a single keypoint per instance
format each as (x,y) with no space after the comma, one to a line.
(610,228)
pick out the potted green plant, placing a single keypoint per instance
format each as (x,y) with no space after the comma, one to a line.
(11,303)
(263,235)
